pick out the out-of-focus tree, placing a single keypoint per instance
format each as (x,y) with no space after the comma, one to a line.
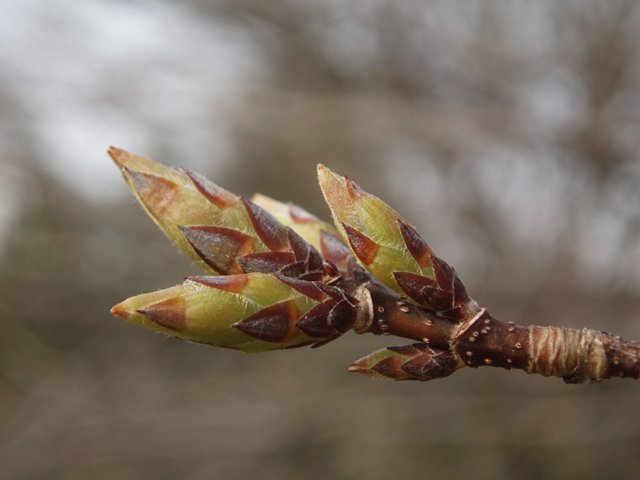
(506,132)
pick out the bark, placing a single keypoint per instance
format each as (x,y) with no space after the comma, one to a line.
(482,340)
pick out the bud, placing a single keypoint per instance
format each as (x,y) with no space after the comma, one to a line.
(224,233)
(372,229)
(308,226)
(252,312)
(266,291)
(391,249)
(408,362)
(323,237)
(169,197)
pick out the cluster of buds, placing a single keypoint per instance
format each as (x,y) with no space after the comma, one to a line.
(277,277)
(267,285)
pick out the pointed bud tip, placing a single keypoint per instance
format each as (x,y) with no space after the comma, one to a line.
(355,368)
(118,155)
(325,173)
(120,311)
(364,367)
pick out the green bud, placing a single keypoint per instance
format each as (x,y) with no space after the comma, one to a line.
(169,197)
(212,310)
(372,228)
(211,225)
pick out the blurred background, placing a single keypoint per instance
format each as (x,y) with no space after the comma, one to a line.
(507,132)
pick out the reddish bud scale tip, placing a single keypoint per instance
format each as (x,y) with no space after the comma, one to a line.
(460,295)
(220,197)
(265,262)
(391,368)
(272,233)
(382,364)
(315,323)
(274,324)
(355,192)
(159,192)
(334,250)
(432,365)
(300,270)
(304,251)
(409,350)
(310,289)
(342,317)
(219,246)
(120,311)
(315,261)
(454,314)
(436,299)
(333,292)
(298,246)
(412,284)
(300,215)
(443,272)
(170,314)
(417,366)
(364,248)
(416,245)
(116,154)
(330,270)
(227,283)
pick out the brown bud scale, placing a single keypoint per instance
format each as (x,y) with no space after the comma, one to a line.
(334,250)
(365,248)
(272,324)
(219,246)
(272,233)
(162,194)
(300,215)
(315,323)
(412,284)
(265,262)
(355,192)
(170,314)
(212,192)
(228,283)
(310,289)
(416,245)
(443,272)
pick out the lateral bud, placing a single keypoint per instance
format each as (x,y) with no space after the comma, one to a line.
(418,361)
